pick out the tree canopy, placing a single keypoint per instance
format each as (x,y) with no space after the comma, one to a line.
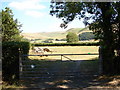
(103,16)
(105,24)
(10,27)
(72,37)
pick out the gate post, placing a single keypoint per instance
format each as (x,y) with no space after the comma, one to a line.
(100,60)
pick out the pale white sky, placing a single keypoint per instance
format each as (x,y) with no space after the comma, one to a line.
(34,16)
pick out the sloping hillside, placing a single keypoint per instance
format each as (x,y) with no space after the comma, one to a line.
(54,35)
(44,35)
(74,30)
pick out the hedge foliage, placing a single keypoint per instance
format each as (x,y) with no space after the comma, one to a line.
(67,44)
(10,59)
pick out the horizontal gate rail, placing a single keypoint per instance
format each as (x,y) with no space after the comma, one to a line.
(63,54)
(52,76)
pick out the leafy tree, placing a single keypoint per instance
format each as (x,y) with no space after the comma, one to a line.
(10,27)
(71,37)
(105,25)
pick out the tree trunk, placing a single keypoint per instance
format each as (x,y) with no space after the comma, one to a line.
(108,49)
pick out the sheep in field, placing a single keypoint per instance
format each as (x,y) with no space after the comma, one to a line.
(38,50)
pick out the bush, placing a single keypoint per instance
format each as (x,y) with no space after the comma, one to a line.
(72,37)
(10,59)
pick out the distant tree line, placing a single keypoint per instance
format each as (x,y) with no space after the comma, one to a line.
(86,36)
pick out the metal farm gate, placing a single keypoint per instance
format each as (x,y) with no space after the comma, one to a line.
(36,71)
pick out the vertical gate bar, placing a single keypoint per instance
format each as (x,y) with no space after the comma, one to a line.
(61,57)
(20,65)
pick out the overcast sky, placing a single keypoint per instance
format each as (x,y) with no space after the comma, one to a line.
(34,16)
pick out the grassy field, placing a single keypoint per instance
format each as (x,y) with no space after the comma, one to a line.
(68,50)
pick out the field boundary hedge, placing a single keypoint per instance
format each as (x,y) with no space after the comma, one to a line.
(10,59)
(68,44)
